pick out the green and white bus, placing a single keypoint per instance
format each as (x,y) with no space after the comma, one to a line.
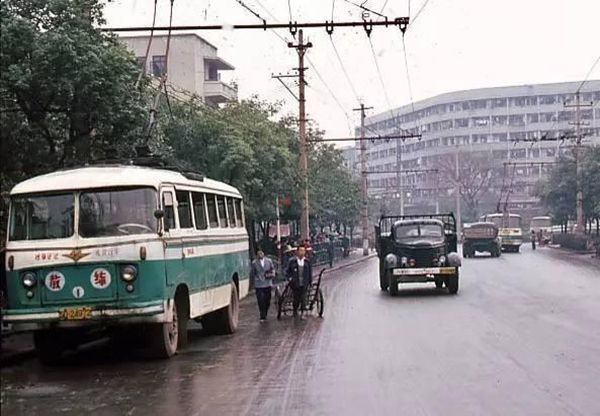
(114,245)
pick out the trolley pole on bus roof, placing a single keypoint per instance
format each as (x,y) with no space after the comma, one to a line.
(364,191)
(301,48)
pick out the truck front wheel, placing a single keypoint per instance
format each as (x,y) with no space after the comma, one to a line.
(392,282)
(452,283)
(383,281)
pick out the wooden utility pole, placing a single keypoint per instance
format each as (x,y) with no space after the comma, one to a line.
(580,227)
(301,48)
(363,188)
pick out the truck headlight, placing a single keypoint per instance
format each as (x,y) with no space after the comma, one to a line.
(403,261)
(442,260)
(29,280)
(129,273)
(412,262)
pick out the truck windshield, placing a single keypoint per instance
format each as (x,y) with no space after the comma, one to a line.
(117,212)
(39,217)
(408,231)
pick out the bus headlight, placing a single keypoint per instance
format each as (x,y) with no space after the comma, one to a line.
(129,273)
(29,280)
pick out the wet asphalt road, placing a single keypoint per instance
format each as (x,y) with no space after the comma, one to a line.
(522,337)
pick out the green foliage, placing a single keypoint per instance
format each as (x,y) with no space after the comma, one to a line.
(69,97)
(559,190)
(67,89)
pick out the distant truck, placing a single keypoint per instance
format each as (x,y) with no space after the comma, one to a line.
(481,237)
(509,229)
(417,249)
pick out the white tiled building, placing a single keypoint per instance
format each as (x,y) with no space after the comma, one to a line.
(483,121)
(194,66)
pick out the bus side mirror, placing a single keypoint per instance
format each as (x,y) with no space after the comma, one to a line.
(159,214)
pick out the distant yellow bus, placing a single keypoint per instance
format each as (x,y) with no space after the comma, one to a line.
(509,229)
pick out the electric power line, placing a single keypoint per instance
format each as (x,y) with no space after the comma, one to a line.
(419,11)
(344,71)
(588,74)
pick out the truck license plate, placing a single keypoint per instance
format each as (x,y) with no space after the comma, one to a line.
(75,314)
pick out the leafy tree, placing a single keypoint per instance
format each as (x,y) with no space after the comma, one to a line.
(67,89)
(559,191)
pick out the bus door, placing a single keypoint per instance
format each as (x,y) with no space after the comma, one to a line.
(172,239)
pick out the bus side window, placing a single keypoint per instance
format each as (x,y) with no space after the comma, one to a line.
(169,210)
(213,218)
(199,210)
(183,209)
(222,210)
(238,212)
(230,212)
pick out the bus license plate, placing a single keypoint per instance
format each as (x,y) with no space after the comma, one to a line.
(75,314)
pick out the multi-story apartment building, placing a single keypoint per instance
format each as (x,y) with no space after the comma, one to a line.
(483,126)
(193,65)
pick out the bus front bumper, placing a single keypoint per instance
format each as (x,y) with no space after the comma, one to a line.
(40,318)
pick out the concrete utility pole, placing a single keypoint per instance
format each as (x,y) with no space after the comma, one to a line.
(401,177)
(457,191)
(301,48)
(364,190)
(580,227)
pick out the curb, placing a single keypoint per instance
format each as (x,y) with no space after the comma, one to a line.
(351,263)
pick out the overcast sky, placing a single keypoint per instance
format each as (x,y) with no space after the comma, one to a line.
(452,45)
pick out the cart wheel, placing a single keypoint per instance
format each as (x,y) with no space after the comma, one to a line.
(320,303)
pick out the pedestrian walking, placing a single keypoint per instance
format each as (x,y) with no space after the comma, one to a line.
(533,240)
(299,272)
(263,272)
(330,251)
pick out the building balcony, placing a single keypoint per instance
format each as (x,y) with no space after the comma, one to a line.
(217,92)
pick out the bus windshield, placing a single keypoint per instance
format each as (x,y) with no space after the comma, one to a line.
(39,217)
(499,221)
(541,222)
(117,212)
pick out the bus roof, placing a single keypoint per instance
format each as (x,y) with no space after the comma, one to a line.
(115,176)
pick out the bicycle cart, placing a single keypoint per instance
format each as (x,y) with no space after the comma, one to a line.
(314,302)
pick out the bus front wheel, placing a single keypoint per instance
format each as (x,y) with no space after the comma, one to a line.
(164,336)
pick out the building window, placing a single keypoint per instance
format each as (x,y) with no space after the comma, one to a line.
(481,121)
(461,122)
(498,102)
(499,120)
(516,120)
(547,99)
(532,118)
(159,65)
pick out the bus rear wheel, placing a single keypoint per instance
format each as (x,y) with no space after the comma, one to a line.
(164,337)
(225,320)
